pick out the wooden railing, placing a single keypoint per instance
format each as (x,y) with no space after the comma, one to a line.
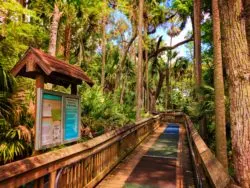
(85,164)
(208,170)
(79,165)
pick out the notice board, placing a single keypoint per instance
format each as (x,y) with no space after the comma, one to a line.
(57,119)
(71,119)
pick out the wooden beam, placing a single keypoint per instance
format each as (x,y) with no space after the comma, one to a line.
(20,172)
(40,81)
(39,84)
(52,179)
(31,66)
(73,89)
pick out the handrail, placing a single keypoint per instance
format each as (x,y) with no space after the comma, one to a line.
(198,177)
(85,164)
(209,171)
(92,159)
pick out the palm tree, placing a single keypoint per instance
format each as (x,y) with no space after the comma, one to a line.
(173,32)
(171,55)
(104,45)
(53,30)
(220,119)
(69,10)
(197,42)
(139,77)
(197,60)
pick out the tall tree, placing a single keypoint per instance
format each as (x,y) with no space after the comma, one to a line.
(139,77)
(197,60)
(236,59)
(197,42)
(70,16)
(146,61)
(220,119)
(53,30)
(173,32)
(122,60)
(103,45)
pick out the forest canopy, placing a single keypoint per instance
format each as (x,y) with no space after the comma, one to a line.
(145,57)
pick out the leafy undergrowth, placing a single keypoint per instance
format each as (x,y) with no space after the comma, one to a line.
(100,113)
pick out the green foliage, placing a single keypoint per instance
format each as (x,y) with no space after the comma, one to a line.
(19,34)
(103,109)
(15,130)
(99,106)
(7,82)
(15,123)
(15,143)
(178,100)
(184,7)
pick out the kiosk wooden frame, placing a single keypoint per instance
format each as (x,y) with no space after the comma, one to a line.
(39,112)
(45,68)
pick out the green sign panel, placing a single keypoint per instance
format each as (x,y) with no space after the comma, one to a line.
(57,119)
(71,129)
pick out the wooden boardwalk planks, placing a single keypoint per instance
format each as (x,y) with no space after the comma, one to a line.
(152,166)
(121,173)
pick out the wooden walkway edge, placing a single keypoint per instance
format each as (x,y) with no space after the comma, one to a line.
(148,164)
(120,174)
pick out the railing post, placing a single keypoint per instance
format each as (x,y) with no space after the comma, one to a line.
(52,179)
(39,183)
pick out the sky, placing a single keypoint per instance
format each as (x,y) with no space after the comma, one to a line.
(160,31)
(163,32)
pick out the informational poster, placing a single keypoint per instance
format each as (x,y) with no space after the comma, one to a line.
(51,119)
(57,119)
(71,129)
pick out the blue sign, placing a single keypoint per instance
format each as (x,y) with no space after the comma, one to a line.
(71,130)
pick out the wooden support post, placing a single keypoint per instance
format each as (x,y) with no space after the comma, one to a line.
(39,183)
(39,84)
(73,89)
(39,81)
(52,179)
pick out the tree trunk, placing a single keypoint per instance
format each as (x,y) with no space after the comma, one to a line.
(152,101)
(159,85)
(197,58)
(146,69)
(122,61)
(123,89)
(220,119)
(235,56)
(53,35)
(139,70)
(167,95)
(197,42)
(53,30)
(80,54)
(168,74)
(67,42)
(146,80)
(103,49)
(247,14)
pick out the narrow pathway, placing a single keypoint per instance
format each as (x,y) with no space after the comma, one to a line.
(161,161)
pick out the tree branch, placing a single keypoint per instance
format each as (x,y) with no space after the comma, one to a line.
(2,38)
(154,28)
(165,48)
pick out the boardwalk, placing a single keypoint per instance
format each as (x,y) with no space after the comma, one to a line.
(162,160)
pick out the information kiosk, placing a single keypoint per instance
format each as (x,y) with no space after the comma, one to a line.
(57,114)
